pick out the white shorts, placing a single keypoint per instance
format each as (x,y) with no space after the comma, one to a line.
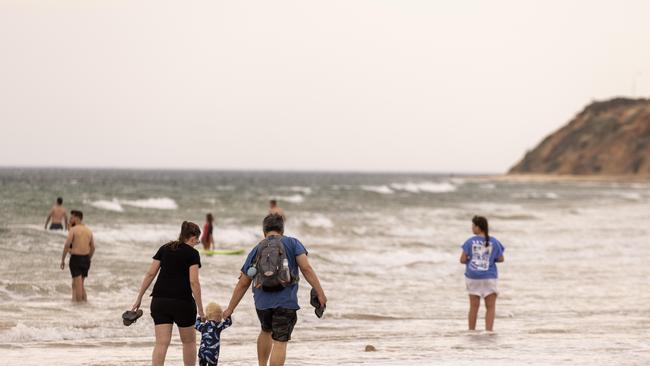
(481,288)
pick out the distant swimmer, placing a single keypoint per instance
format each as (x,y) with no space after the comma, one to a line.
(206,236)
(81,245)
(480,255)
(57,216)
(274,209)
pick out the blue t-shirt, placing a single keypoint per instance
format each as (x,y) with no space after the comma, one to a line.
(286,298)
(481,262)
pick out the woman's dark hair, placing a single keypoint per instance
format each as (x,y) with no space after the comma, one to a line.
(209,217)
(188,230)
(273,222)
(482,224)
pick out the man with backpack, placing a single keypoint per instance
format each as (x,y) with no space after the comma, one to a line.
(272,267)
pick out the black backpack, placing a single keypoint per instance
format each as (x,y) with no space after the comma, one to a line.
(272,264)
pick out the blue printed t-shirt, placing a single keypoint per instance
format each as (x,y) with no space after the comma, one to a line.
(481,262)
(286,298)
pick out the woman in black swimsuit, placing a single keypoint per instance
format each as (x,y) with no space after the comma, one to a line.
(176,296)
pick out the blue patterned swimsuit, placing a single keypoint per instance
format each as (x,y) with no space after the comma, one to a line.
(211,339)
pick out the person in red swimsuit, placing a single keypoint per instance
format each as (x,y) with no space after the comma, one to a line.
(206,237)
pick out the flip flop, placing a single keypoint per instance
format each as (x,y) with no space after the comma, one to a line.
(316,304)
(129,317)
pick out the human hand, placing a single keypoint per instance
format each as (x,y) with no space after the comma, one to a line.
(62,264)
(227,313)
(136,304)
(322,299)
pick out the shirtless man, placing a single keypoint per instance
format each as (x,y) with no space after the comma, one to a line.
(81,245)
(274,209)
(58,216)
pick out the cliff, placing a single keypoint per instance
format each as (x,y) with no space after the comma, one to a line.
(606,138)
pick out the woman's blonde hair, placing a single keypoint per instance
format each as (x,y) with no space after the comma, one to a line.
(213,310)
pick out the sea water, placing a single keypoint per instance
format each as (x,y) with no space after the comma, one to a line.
(574,285)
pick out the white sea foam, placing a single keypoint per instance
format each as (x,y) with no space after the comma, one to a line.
(319,221)
(378,189)
(26,333)
(244,235)
(296,198)
(631,196)
(113,205)
(300,189)
(428,187)
(136,233)
(160,203)
(537,195)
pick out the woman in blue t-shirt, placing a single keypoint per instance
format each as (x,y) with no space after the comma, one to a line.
(480,254)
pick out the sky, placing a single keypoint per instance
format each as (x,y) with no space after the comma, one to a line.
(354,85)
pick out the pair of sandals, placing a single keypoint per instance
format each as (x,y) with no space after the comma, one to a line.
(313,300)
(129,317)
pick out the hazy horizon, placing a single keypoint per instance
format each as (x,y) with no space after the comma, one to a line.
(342,86)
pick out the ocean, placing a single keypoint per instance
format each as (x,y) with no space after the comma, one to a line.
(573,288)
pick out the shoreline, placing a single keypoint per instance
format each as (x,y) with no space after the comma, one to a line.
(560,178)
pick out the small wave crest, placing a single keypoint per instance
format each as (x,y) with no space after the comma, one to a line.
(317,221)
(113,205)
(159,203)
(300,189)
(427,187)
(117,205)
(378,189)
(296,198)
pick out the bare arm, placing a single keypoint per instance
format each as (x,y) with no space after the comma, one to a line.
(311,277)
(47,219)
(65,221)
(237,294)
(92,246)
(146,282)
(66,248)
(196,289)
(500,259)
(464,258)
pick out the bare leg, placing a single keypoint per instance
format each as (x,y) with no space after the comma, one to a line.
(77,285)
(474,303)
(278,353)
(490,311)
(84,297)
(163,337)
(264,345)
(74,291)
(188,338)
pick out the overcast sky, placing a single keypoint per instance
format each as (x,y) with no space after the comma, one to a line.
(436,86)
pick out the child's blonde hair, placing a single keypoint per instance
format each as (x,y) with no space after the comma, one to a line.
(213,311)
